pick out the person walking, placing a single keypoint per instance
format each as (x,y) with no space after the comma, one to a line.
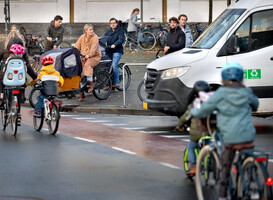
(55,33)
(133,23)
(114,47)
(175,37)
(88,45)
(183,19)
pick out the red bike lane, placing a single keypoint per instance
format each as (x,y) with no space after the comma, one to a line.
(164,150)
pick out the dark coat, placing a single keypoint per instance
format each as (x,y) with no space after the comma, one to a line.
(4,55)
(116,38)
(175,40)
(54,32)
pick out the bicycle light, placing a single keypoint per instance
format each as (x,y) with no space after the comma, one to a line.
(10,76)
(15,71)
(269,181)
(261,159)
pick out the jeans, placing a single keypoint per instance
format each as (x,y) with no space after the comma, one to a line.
(40,103)
(191,153)
(115,60)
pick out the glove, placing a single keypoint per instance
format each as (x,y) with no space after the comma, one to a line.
(32,83)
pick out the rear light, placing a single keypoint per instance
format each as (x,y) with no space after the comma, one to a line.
(234,170)
(261,159)
(10,76)
(15,71)
(20,76)
(15,91)
(269,182)
(16,104)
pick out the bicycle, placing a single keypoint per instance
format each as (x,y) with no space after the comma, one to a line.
(198,31)
(145,40)
(249,178)
(50,112)
(35,44)
(160,33)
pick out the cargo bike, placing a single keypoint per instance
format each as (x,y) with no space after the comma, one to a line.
(68,62)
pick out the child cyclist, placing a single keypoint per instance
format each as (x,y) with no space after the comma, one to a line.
(234,104)
(195,134)
(47,73)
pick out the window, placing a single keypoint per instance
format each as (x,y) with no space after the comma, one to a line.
(243,36)
(261,34)
(262,30)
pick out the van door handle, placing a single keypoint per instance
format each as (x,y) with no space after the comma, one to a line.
(271,58)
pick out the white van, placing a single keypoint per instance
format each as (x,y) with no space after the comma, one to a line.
(242,33)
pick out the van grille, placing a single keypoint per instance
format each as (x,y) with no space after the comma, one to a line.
(150,79)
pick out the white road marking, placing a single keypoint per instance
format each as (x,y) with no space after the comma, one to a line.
(116,124)
(98,121)
(83,118)
(134,128)
(270,160)
(158,132)
(175,136)
(69,115)
(186,140)
(123,150)
(169,165)
(86,140)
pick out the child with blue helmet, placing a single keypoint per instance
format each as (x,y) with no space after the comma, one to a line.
(234,104)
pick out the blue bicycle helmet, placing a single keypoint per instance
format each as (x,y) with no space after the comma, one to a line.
(232,71)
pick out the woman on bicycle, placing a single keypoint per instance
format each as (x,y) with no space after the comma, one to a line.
(88,45)
(175,37)
(114,47)
(234,104)
(195,134)
(14,38)
(133,23)
(186,29)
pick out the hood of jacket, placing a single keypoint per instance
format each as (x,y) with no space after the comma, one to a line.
(52,25)
(237,96)
(48,69)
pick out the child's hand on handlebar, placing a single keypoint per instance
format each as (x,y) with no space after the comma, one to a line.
(178,129)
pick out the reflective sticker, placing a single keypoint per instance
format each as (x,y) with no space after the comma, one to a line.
(254,74)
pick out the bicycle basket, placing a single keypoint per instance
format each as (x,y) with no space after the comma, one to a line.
(50,88)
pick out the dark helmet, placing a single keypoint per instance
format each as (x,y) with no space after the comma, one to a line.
(201,86)
(232,71)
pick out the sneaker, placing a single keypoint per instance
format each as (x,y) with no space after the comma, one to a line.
(115,85)
(192,170)
(37,113)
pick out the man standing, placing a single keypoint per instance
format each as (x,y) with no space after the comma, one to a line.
(186,29)
(55,33)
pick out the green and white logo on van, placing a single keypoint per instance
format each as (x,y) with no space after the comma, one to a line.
(252,74)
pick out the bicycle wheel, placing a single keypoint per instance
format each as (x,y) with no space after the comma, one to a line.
(4,119)
(33,97)
(65,44)
(148,41)
(254,184)
(186,161)
(127,77)
(207,174)
(163,39)
(38,121)
(103,85)
(53,122)
(13,124)
(125,43)
(141,90)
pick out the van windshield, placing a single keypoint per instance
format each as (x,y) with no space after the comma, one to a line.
(217,29)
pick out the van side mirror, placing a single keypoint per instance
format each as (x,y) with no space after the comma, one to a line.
(232,45)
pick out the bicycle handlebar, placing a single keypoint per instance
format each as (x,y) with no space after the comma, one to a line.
(157,54)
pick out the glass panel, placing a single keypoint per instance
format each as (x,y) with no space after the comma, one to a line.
(262,30)
(217,29)
(243,35)
(70,61)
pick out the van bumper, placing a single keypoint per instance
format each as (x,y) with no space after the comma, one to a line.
(169,96)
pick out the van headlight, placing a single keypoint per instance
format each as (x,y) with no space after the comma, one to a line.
(174,72)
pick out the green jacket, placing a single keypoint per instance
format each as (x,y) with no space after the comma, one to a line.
(195,134)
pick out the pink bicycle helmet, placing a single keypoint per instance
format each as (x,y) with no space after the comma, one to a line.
(16,49)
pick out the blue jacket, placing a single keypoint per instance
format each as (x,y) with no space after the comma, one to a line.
(116,38)
(188,34)
(234,106)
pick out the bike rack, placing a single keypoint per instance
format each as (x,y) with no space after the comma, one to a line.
(123,73)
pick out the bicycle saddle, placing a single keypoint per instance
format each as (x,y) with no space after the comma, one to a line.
(240,146)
